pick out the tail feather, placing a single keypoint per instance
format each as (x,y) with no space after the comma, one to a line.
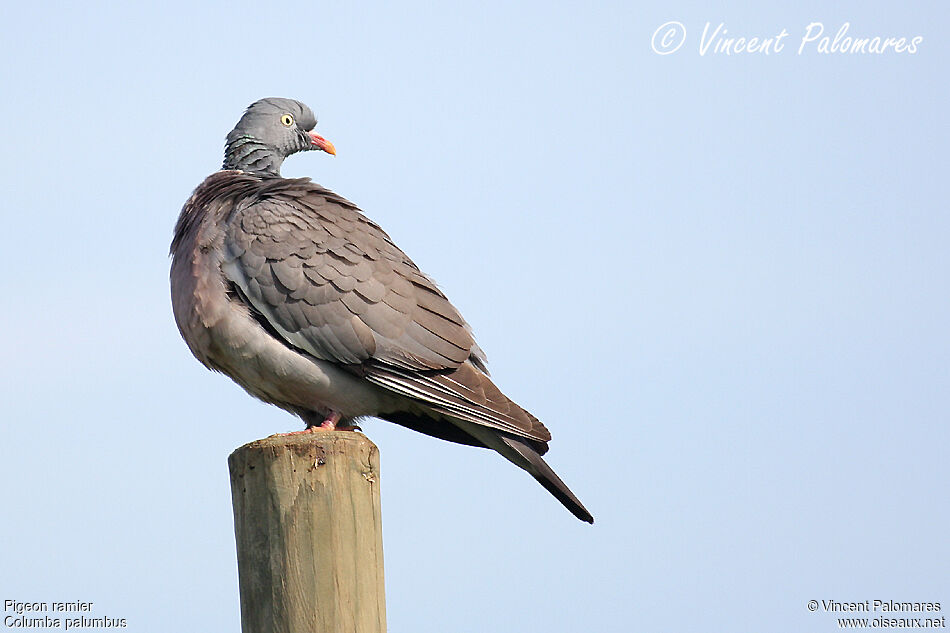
(519,452)
(546,476)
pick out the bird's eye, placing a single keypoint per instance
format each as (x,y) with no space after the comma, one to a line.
(287,120)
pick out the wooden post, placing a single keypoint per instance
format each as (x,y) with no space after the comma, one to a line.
(309,534)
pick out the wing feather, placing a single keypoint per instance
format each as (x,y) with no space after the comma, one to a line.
(332,283)
(465,393)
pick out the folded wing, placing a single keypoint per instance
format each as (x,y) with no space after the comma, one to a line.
(331,283)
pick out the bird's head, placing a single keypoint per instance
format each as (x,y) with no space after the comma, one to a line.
(271,130)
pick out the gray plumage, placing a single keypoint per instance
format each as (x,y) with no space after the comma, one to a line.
(291,291)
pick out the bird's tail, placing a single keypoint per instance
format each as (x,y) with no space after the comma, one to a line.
(521,454)
(539,469)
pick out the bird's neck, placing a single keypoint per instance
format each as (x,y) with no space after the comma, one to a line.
(248,154)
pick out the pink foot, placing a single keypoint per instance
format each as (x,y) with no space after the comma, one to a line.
(331,423)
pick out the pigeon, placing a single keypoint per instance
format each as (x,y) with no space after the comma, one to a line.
(291,291)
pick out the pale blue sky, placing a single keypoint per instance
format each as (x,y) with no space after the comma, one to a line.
(722,282)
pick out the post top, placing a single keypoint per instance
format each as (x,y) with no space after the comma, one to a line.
(306,438)
(312,444)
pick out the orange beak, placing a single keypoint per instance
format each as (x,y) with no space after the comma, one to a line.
(321,143)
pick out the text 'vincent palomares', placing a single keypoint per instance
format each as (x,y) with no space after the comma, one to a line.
(882,606)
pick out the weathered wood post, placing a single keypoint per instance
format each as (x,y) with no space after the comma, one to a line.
(309,534)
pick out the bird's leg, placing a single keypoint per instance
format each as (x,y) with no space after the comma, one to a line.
(331,422)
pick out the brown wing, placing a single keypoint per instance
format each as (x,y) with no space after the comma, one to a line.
(332,283)
(465,393)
